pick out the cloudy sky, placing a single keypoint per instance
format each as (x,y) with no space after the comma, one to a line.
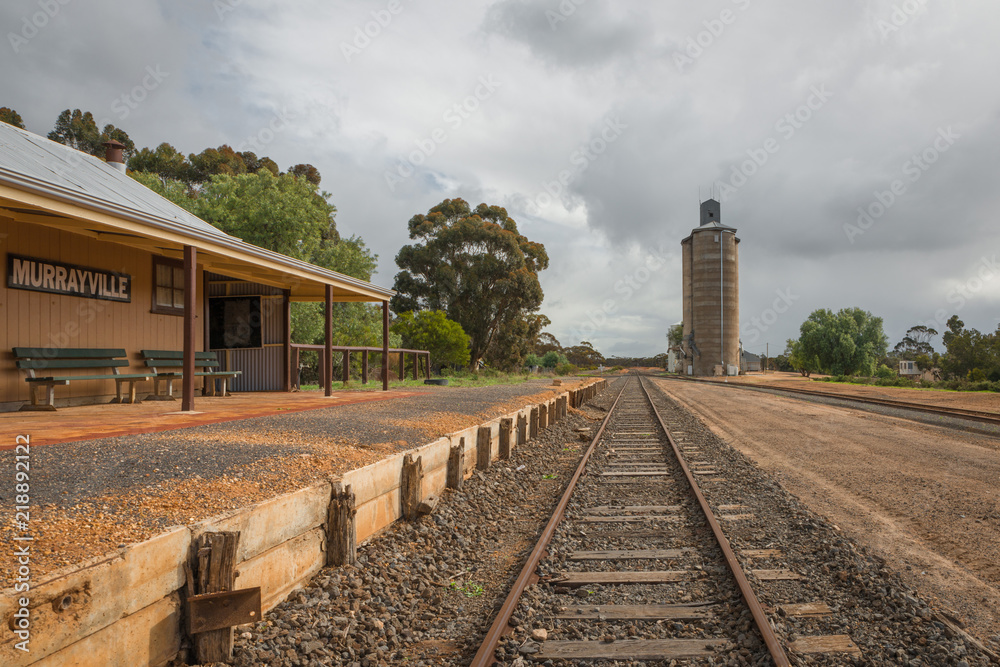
(854,143)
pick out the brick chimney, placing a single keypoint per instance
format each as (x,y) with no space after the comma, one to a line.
(113,154)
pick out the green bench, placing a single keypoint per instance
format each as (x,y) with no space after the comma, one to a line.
(168,365)
(39,362)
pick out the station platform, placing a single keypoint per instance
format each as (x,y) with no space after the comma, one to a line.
(106,476)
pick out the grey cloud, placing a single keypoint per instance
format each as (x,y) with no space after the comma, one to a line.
(570,33)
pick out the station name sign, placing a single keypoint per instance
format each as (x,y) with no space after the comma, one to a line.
(40,275)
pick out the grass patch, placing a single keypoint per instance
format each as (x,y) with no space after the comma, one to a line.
(906,383)
(469,589)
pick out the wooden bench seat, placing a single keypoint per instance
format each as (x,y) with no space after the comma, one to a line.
(40,362)
(168,365)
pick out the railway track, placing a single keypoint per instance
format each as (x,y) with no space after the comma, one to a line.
(980,416)
(634,525)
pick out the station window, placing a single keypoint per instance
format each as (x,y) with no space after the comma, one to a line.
(168,286)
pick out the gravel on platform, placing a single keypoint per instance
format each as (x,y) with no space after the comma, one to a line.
(67,473)
(89,498)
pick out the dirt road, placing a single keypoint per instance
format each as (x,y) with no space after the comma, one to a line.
(925,498)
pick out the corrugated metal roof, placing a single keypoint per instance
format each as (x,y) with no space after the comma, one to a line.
(29,155)
(32,164)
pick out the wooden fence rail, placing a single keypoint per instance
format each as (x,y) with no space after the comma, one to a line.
(421,361)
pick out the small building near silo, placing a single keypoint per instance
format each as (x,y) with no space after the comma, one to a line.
(711,297)
(750,363)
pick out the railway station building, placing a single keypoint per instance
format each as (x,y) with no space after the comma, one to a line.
(96,261)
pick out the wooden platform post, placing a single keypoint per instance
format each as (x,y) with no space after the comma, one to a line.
(214,571)
(456,465)
(341,531)
(505,428)
(483,440)
(543,416)
(286,340)
(385,346)
(190,303)
(522,430)
(328,342)
(410,486)
(533,425)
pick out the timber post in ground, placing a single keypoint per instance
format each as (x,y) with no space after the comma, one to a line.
(505,428)
(215,560)
(456,465)
(411,485)
(341,537)
(483,441)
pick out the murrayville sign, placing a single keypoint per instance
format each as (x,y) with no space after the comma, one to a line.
(39,275)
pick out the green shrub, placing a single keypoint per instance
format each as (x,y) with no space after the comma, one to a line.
(566,369)
(884,372)
(976,375)
(551,359)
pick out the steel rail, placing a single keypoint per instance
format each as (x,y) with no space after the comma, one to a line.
(973,415)
(485,656)
(763,625)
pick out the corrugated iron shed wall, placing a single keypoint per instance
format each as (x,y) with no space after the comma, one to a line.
(261,366)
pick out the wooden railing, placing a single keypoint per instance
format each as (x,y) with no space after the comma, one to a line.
(326,365)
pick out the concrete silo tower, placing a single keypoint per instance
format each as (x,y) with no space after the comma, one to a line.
(711,264)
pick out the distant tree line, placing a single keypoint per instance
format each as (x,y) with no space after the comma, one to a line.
(851,342)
